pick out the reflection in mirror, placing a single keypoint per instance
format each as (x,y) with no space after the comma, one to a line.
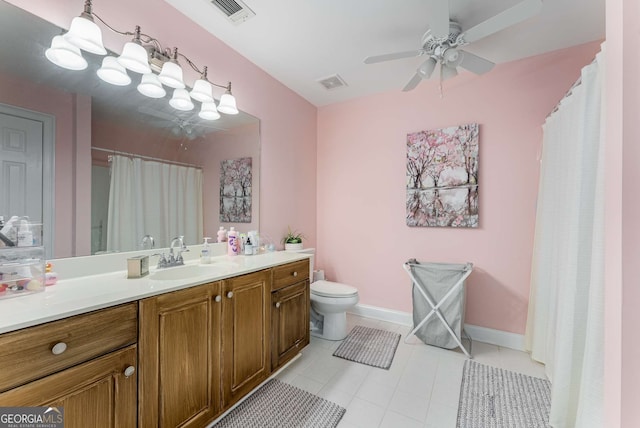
(109,161)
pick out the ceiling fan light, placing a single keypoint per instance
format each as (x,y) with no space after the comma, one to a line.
(134,57)
(427,67)
(202,91)
(171,75)
(151,87)
(65,55)
(447,72)
(227,104)
(181,100)
(209,111)
(86,35)
(112,72)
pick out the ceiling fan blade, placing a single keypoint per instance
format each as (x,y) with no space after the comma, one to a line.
(439,18)
(417,78)
(515,14)
(474,63)
(392,56)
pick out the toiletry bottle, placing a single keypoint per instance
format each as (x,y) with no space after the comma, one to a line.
(222,234)
(205,254)
(232,243)
(248,248)
(50,278)
(25,236)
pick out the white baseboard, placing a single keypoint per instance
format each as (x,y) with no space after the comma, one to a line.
(481,334)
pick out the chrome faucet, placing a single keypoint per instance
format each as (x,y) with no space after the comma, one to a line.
(177,260)
(147,242)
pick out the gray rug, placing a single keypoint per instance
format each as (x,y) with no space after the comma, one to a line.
(369,346)
(280,405)
(497,398)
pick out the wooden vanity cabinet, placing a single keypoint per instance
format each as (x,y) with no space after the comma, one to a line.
(245,334)
(86,364)
(290,302)
(180,357)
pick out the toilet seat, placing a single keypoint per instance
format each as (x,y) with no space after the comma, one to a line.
(333,289)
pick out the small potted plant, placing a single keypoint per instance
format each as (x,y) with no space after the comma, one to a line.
(292,240)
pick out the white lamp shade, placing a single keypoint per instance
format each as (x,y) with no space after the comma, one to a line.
(209,111)
(151,87)
(228,104)
(202,91)
(112,72)
(134,57)
(171,75)
(65,55)
(86,35)
(181,100)
(427,67)
(448,72)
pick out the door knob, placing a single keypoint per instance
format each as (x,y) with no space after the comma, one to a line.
(129,371)
(277,304)
(218,298)
(295,274)
(230,294)
(59,348)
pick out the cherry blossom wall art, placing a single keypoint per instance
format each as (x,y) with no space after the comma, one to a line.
(235,190)
(442,177)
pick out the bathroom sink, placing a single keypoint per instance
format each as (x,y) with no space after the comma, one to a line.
(187,272)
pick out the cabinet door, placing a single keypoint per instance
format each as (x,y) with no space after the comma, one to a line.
(94,394)
(245,337)
(289,322)
(180,358)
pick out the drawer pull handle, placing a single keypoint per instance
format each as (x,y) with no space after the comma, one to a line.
(129,371)
(277,304)
(295,274)
(59,348)
(218,298)
(229,294)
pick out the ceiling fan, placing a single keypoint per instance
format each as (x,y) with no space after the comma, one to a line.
(442,42)
(190,127)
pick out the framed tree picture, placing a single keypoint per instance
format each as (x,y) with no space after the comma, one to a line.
(442,177)
(235,190)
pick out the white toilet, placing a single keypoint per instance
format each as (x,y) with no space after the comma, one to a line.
(329,304)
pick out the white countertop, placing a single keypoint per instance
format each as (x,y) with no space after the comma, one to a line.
(89,293)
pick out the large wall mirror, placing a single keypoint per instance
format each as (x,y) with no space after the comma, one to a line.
(99,164)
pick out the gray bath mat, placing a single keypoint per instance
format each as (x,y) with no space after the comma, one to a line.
(497,398)
(280,405)
(369,346)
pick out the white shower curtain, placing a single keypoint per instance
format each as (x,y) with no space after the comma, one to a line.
(565,326)
(153,198)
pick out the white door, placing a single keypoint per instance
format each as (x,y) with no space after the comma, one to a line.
(21,144)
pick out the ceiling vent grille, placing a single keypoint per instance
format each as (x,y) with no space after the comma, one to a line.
(332,82)
(235,10)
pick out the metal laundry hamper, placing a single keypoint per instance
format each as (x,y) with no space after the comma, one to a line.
(439,303)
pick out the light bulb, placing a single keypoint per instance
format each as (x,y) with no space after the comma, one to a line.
(209,111)
(151,87)
(112,72)
(171,75)
(86,35)
(202,91)
(181,100)
(134,57)
(227,104)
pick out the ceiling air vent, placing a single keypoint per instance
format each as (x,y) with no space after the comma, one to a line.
(235,10)
(332,82)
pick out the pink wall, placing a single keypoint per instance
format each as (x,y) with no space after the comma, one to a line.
(288,122)
(362,235)
(622,245)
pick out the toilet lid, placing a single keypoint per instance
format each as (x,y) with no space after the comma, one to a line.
(332,289)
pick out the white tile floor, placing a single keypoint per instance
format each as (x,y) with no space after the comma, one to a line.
(420,389)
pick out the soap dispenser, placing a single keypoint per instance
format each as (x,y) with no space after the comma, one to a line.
(205,254)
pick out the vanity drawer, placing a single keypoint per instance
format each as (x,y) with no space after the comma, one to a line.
(28,354)
(290,274)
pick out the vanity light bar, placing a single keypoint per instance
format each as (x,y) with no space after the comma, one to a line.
(143,55)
